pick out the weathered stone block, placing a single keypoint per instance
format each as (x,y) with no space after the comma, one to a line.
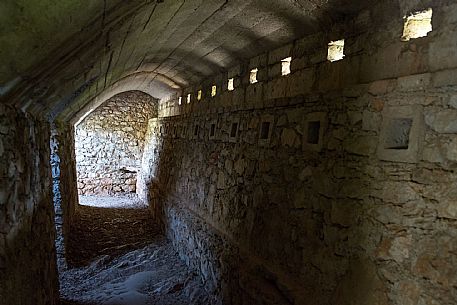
(381,65)
(432,153)
(279,54)
(298,63)
(330,76)
(442,53)
(362,274)
(450,149)
(445,78)
(381,87)
(361,145)
(453,101)
(408,292)
(235,71)
(447,209)
(371,121)
(319,56)
(414,82)
(300,82)
(254,95)
(274,71)
(307,45)
(343,214)
(259,61)
(442,121)
(276,88)
(288,137)
(397,248)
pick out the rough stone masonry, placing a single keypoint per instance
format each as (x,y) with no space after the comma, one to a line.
(109,144)
(332,185)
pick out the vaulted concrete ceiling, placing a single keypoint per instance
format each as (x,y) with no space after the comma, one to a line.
(56,56)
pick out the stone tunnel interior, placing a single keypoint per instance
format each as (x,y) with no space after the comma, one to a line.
(228,152)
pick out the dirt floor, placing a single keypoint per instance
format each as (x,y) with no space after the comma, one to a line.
(118,256)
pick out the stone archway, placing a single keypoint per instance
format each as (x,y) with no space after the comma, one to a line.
(109,144)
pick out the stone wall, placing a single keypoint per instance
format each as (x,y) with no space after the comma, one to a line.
(333,185)
(65,195)
(28,272)
(109,144)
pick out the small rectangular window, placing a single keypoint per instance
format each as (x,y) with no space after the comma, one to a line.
(180,100)
(336,50)
(196,130)
(314,128)
(231,85)
(213,130)
(213,91)
(285,66)
(234,130)
(417,25)
(199,95)
(397,135)
(253,76)
(188,98)
(265,131)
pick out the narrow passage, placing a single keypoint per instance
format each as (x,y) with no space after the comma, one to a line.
(118,256)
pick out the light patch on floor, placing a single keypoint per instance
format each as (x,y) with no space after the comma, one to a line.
(114,202)
(151,275)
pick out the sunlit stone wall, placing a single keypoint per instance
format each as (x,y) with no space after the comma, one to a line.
(109,144)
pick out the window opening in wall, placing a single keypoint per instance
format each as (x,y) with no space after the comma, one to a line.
(253,76)
(285,66)
(213,130)
(314,128)
(336,50)
(398,131)
(213,91)
(234,130)
(418,24)
(180,100)
(265,130)
(196,130)
(231,85)
(199,95)
(189,96)
(178,131)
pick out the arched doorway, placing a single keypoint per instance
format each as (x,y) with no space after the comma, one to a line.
(109,144)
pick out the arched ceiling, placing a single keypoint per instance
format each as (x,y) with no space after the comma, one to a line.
(57,56)
(150,83)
